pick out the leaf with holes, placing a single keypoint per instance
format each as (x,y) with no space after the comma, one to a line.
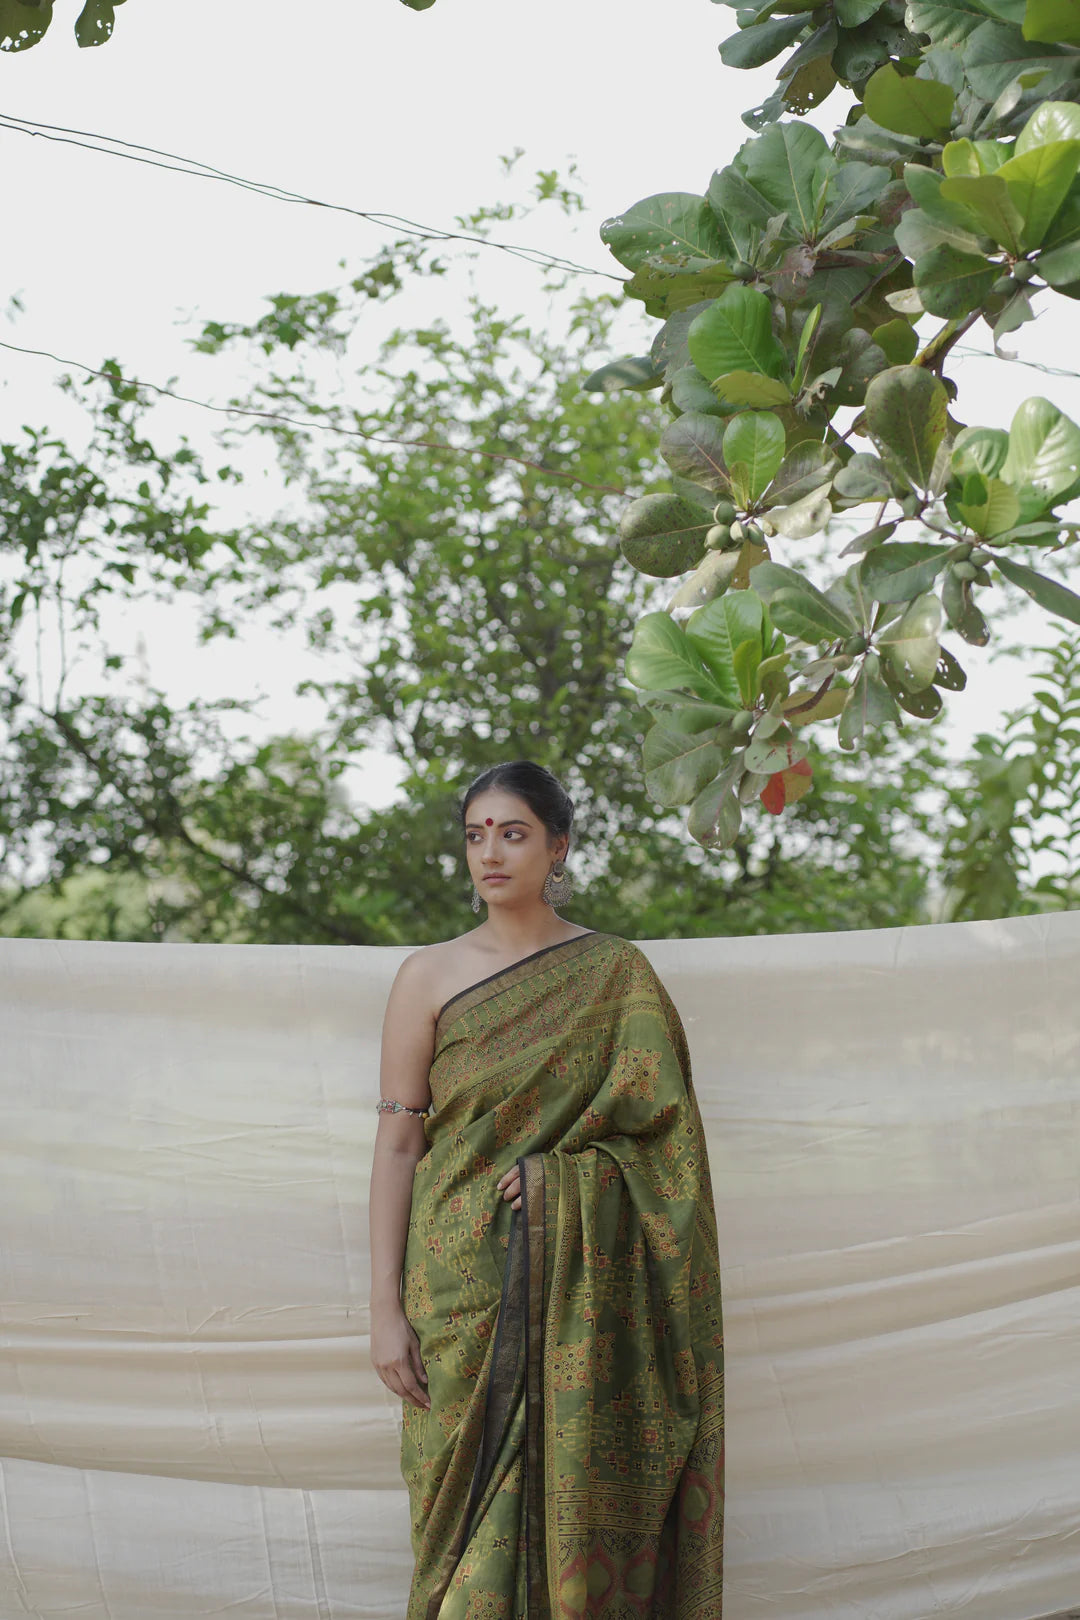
(911,644)
(675,224)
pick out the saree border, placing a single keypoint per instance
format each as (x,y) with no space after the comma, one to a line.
(474,995)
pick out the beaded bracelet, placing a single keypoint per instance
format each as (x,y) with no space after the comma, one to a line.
(385,1106)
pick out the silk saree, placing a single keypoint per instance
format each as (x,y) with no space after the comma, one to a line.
(571,1463)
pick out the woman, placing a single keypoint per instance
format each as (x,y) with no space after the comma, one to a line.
(541,1181)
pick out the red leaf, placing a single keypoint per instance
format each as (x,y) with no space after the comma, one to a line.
(773,796)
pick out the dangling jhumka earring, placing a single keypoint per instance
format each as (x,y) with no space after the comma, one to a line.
(475,902)
(558,885)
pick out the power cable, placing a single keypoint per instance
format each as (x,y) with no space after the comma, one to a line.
(1015,360)
(206,171)
(324,427)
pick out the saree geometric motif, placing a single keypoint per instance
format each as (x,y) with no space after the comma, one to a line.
(572,1461)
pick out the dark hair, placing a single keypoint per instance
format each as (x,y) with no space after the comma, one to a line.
(542,792)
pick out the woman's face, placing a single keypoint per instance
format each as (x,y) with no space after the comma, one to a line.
(508,848)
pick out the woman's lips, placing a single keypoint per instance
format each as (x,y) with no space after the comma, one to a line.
(496,877)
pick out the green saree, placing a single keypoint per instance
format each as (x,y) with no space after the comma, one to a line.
(571,1463)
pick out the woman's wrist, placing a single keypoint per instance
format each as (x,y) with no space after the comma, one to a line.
(384,1300)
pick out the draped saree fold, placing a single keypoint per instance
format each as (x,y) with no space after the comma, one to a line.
(571,1463)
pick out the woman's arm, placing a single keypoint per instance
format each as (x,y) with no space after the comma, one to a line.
(407,1048)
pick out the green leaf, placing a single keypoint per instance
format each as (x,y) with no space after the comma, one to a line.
(717,630)
(767,755)
(804,469)
(804,517)
(693,447)
(897,340)
(949,673)
(663,535)
(902,570)
(1052,20)
(757,439)
(678,765)
(998,511)
(996,56)
(806,337)
(715,815)
(870,703)
(948,22)
(911,644)
(850,13)
(951,284)
(797,607)
(787,165)
(980,450)
(961,611)
(864,478)
(21,26)
(94,24)
(690,392)
(675,223)
(708,581)
(1051,596)
(989,201)
(749,388)
(1038,182)
(735,334)
(1060,267)
(1044,450)
(1051,121)
(660,658)
(906,412)
(640,373)
(910,106)
(753,46)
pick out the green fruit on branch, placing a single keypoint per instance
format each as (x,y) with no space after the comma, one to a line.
(855,645)
(743,720)
(723,512)
(738,532)
(1023,271)
(979,557)
(964,570)
(718,537)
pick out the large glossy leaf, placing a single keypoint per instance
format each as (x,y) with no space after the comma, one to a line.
(1048,593)
(717,630)
(980,450)
(1052,121)
(948,22)
(754,442)
(901,570)
(1044,450)
(693,447)
(996,56)
(998,512)
(678,765)
(864,478)
(708,581)
(751,388)
(1061,266)
(675,223)
(715,815)
(753,46)
(639,373)
(951,283)
(1055,20)
(804,517)
(735,334)
(781,172)
(803,470)
(1038,182)
(911,643)
(661,658)
(988,199)
(910,106)
(663,535)
(797,607)
(906,412)
(869,704)
(690,392)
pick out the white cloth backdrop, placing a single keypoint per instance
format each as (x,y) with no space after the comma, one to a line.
(189,1425)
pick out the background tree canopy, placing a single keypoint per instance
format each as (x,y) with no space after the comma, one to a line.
(468,607)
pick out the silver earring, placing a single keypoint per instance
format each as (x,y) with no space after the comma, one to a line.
(558,885)
(475,898)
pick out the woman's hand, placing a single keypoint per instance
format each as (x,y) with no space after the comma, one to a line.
(395,1355)
(512,1183)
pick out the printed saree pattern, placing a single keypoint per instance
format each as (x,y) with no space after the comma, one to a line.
(571,1463)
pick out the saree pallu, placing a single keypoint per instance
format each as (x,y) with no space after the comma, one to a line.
(571,1463)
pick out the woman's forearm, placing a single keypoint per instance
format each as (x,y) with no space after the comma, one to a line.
(391,1201)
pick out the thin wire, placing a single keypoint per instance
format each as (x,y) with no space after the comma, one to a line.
(206,171)
(1015,360)
(324,427)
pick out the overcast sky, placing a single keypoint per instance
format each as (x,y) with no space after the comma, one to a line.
(380,108)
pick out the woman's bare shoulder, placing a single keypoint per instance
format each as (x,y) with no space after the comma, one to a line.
(433,973)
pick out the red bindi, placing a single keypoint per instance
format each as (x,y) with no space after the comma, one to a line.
(489,822)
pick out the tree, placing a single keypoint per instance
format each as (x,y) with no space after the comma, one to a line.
(470,605)
(790,296)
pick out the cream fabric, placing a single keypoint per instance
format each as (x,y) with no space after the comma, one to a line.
(189,1425)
